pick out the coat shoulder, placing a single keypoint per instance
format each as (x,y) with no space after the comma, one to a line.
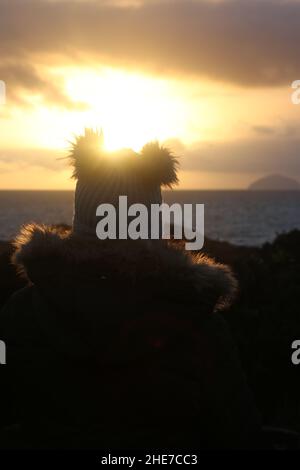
(50,256)
(17,306)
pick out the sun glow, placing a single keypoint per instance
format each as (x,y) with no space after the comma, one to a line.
(130,108)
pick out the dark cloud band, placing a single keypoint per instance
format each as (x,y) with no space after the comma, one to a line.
(250,43)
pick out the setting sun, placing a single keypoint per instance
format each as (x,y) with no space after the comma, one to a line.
(130,108)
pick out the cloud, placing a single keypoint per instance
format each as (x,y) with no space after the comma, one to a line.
(284,129)
(249,43)
(268,155)
(263,130)
(13,159)
(23,80)
(220,161)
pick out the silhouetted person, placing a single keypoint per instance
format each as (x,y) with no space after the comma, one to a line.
(118,343)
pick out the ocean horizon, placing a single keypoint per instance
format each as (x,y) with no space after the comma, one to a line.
(241,217)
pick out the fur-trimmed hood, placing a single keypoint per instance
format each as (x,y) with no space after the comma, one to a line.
(54,258)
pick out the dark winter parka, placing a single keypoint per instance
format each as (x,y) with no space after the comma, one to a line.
(119,344)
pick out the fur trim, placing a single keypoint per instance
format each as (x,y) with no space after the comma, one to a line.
(46,254)
(155,164)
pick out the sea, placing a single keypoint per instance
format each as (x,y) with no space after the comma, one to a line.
(248,218)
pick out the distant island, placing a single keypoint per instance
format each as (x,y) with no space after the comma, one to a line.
(275,183)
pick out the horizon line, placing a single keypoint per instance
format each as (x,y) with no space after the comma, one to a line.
(165,190)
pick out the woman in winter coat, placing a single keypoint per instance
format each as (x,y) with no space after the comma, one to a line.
(119,343)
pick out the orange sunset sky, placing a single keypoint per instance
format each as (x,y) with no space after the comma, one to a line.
(211,79)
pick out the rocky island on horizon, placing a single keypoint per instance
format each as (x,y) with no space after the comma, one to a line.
(275,182)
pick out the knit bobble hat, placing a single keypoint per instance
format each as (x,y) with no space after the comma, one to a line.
(104,176)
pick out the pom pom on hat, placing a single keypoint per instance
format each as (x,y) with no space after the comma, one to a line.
(155,164)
